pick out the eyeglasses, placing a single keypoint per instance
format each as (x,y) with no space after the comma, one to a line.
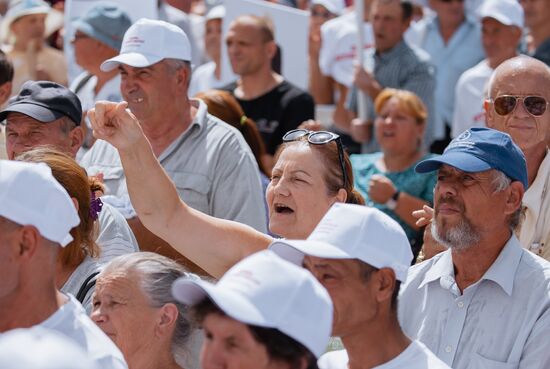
(320,138)
(505,104)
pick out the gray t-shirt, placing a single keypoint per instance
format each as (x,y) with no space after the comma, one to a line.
(211,165)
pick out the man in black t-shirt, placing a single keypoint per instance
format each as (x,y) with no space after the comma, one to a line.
(276,105)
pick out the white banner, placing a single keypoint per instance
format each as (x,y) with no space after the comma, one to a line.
(291,35)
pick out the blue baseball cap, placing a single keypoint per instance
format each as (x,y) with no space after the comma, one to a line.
(105,22)
(480,149)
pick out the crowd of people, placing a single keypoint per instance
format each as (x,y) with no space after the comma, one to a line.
(155,215)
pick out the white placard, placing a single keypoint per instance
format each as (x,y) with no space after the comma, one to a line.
(77,8)
(291,35)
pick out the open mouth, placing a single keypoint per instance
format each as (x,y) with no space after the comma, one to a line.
(283,209)
(388,134)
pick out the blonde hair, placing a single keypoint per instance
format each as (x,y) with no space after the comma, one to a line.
(408,101)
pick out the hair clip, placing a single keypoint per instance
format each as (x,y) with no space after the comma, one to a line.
(244,118)
(95,206)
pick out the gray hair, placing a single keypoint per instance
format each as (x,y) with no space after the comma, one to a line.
(157,274)
(175,65)
(501,182)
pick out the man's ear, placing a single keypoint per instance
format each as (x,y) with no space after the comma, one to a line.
(183,76)
(488,113)
(77,139)
(515,197)
(29,238)
(271,49)
(385,285)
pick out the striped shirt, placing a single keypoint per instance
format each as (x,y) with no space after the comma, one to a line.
(402,67)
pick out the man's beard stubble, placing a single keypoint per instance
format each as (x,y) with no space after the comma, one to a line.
(461,236)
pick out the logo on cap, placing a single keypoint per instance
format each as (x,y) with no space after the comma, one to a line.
(461,141)
(134,41)
(464,136)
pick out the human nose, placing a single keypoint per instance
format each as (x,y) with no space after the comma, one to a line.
(99,315)
(444,188)
(211,357)
(519,109)
(280,187)
(128,85)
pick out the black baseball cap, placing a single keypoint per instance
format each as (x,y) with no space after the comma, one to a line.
(45,101)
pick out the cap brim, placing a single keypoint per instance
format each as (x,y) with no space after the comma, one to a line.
(136,60)
(231,303)
(37,112)
(295,250)
(463,161)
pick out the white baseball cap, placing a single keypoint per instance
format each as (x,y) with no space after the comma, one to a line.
(265,290)
(149,41)
(30,195)
(353,232)
(507,12)
(334,6)
(217,12)
(41,348)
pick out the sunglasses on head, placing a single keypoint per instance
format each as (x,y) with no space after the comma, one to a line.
(320,138)
(506,104)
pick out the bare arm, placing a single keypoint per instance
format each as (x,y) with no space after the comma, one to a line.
(211,243)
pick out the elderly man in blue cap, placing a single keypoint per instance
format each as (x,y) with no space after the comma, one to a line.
(485,302)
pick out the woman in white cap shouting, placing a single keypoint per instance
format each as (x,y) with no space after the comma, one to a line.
(312,172)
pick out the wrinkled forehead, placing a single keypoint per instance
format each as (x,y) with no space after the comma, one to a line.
(15,119)
(521,82)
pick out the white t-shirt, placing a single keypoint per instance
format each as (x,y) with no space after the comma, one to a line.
(470,93)
(339,40)
(203,79)
(72,321)
(115,235)
(416,356)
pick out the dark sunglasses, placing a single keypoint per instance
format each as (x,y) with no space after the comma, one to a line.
(505,104)
(320,138)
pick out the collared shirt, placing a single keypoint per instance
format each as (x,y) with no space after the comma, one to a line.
(535,228)
(470,94)
(451,59)
(401,67)
(502,321)
(211,165)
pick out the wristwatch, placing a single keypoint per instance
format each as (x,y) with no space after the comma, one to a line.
(392,202)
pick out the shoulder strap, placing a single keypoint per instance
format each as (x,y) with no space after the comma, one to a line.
(82,82)
(86,286)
